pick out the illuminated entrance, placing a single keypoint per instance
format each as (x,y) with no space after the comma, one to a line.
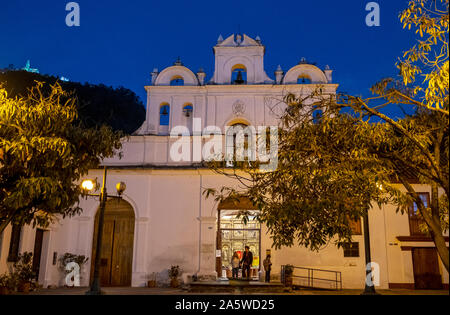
(233,235)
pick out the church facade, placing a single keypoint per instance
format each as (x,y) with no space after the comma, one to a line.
(164,218)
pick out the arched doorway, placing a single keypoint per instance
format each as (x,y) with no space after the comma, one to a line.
(233,235)
(117,244)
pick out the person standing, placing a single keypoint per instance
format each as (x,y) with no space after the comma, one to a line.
(267,267)
(247,261)
(235,263)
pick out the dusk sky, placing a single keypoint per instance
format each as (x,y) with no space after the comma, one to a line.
(119,42)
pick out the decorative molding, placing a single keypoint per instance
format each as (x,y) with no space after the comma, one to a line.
(407,248)
(238,108)
(417,238)
(207,220)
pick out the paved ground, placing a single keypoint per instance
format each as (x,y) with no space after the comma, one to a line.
(168,291)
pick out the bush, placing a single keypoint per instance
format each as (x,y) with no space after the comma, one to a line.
(288,270)
(68,258)
(23,267)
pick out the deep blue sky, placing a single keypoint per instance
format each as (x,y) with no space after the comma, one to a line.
(120,42)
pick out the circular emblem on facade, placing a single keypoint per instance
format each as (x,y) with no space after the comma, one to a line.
(238,107)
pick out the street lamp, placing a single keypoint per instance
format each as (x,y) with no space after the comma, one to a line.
(89,185)
(368,289)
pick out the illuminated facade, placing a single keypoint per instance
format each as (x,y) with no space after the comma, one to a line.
(164,219)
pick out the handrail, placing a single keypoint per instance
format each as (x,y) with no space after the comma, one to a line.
(311,278)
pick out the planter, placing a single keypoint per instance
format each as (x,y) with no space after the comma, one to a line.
(174,283)
(4,291)
(288,281)
(24,287)
(151,283)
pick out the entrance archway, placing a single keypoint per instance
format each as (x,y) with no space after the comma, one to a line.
(117,244)
(233,235)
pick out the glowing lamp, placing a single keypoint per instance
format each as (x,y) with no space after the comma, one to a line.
(87,185)
(120,187)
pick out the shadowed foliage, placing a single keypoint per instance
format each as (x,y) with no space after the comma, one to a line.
(97,105)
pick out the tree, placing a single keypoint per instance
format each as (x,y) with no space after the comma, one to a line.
(44,151)
(426,133)
(97,105)
(332,169)
(429,57)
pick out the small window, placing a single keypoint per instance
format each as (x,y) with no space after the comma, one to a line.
(355,225)
(164,115)
(351,249)
(177,81)
(13,254)
(303,79)
(415,209)
(416,221)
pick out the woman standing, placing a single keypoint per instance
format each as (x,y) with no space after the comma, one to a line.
(235,265)
(267,267)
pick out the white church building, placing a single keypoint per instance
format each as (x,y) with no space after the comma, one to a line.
(164,218)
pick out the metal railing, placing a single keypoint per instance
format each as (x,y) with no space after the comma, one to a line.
(335,278)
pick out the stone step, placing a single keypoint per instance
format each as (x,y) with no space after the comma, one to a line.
(236,286)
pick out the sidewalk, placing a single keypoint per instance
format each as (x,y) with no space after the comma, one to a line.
(170,291)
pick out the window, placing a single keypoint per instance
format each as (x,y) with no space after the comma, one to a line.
(351,249)
(303,79)
(233,143)
(355,226)
(239,74)
(177,81)
(13,254)
(415,219)
(164,115)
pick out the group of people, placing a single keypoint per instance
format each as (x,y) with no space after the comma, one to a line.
(246,262)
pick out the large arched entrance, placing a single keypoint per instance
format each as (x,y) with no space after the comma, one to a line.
(233,235)
(117,244)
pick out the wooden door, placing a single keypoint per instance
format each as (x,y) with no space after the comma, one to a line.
(426,268)
(117,244)
(37,251)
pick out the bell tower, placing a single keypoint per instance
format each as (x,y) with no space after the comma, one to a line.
(242,55)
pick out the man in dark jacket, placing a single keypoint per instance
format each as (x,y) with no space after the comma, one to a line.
(247,261)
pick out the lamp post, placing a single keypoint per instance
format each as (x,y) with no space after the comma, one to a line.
(369,288)
(88,185)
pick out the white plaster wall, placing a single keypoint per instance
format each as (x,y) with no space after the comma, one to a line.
(175,224)
(213,104)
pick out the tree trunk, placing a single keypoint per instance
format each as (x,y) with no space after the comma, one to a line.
(441,247)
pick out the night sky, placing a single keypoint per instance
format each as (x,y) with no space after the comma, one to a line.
(120,42)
